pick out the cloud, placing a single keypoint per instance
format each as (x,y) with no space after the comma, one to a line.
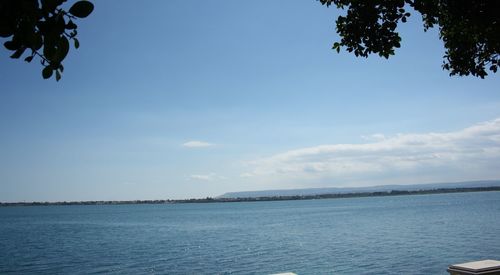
(197,144)
(207,177)
(470,153)
(374,137)
(246,175)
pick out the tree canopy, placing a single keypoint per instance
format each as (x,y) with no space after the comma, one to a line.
(43,28)
(470,30)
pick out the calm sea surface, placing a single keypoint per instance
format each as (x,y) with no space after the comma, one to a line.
(381,235)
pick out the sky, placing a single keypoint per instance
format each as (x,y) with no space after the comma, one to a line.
(189,99)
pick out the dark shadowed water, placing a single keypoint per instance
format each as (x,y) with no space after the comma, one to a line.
(380,235)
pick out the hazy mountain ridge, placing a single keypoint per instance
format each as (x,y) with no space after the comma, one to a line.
(342,190)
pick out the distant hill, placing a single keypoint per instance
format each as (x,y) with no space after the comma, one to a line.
(340,190)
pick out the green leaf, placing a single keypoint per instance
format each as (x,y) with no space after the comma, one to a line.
(51,5)
(29,58)
(73,33)
(47,72)
(35,41)
(58,75)
(6,30)
(62,48)
(59,24)
(81,9)
(71,25)
(10,45)
(77,43)
(18,53)
(49,46)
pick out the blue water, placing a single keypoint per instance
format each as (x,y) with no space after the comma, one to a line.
(380,235)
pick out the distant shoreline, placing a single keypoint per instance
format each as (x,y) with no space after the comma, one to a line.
(274,198)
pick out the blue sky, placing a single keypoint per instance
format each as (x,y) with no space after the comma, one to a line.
(177,99)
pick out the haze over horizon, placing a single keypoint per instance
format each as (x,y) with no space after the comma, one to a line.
(176,99)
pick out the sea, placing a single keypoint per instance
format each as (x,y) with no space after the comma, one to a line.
(419,234)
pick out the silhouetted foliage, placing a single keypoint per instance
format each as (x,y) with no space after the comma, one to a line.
(43,28)
(470,30)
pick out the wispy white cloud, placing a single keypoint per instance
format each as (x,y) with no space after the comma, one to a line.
(374,137)
(471,152)
(197,144)
(207,177)
(246,175)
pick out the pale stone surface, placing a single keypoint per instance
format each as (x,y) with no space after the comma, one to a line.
(478,266)
(287,273)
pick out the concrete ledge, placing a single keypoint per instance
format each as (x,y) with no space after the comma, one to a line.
(486,267)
